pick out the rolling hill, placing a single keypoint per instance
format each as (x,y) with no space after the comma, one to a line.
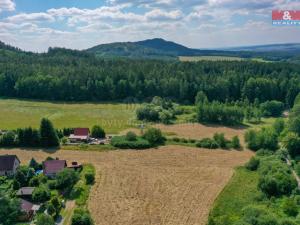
(161,49)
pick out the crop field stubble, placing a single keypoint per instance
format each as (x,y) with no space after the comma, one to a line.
(167,186)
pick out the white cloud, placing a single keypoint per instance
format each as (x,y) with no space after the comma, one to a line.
(158,14)
(7,5)
(31,17)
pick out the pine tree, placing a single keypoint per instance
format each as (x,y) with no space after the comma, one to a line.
(48,134)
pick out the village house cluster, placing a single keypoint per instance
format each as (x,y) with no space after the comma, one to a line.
(9,165)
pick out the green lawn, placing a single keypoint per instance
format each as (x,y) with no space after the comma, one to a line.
(20,113)
(239,192)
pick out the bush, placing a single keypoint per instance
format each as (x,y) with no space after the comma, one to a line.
(290,207)
(272,108)
(235,143)
(266,138)
(90,177)
(121,142)
(176,139)
(277,183)
(253,164)
(41,194)
(98,132)
(292,143)
(66,179)
(207,143)
(130,136)
(43,219)
(278,125)
(154,136)
(81,217)
(219,138)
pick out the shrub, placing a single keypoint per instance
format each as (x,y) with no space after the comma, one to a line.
(290,207)
(235,143)
(277,183)
(81,217)
(51,209)
(253,164)
(154,136)
(278,125)
(90,177)
(176,139)
(220,140)
(41,194)
(266,138)
(287,222)
(121,142)
(130,136)
(66,179)
(43,219)
(272,108)
(192,140)
(98,132)
(207,143)
(9,210)
(292,144)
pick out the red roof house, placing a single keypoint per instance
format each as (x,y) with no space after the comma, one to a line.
(80,134)
(52,167)
(28,210)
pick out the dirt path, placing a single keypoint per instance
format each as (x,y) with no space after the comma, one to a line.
(171,185)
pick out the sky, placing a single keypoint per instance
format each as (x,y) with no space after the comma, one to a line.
(36,25)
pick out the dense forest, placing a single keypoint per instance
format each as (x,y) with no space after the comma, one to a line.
(70,75)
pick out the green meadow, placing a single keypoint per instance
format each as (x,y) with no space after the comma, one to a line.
(113,117)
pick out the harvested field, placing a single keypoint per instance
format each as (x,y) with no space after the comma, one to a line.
(171,185)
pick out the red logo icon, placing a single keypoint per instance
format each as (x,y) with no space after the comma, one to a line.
(286,15)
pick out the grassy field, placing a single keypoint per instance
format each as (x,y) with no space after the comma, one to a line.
(208,58)
(112,117)
(243,186)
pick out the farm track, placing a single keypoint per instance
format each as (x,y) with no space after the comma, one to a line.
(171,185)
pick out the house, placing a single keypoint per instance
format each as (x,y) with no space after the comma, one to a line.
(28,210)
(9,165)
(80,135)
(25,192)
(52,167)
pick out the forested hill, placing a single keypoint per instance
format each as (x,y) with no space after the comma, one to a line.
(69,75)
(161,49)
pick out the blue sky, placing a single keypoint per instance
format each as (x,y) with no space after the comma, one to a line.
(78,24)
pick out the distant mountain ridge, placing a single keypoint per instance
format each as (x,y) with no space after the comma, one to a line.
(267,48)
(159,48)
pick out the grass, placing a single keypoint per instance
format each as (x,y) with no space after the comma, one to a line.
(83,195)
(113,117)
(239,192)
(208,58)
(85,147)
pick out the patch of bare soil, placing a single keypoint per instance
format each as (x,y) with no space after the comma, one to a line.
(172,185)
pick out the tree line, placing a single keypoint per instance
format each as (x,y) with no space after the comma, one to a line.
(66,75)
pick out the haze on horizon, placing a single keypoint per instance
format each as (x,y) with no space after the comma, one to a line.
(78,24)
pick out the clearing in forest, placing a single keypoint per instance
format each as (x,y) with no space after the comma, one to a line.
(167,186)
